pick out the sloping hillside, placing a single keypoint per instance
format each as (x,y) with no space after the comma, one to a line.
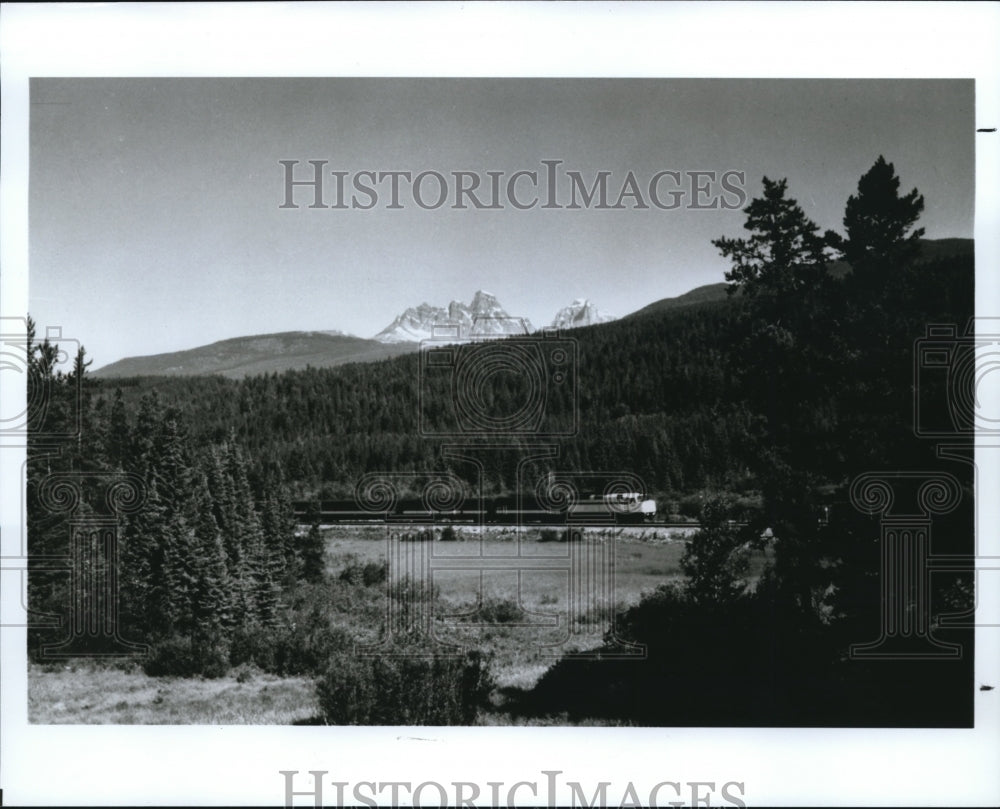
(246,356)
(930,250)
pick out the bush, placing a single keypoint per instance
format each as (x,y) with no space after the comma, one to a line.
(172,657)
(368,573)
(767,669)
(716,558)
(690,505)
(311,552)
(180,657)
(301,644)
(254,645)
(551,535)
(448,534)
(407,590)
(500,611)
(305,646)
(407,690)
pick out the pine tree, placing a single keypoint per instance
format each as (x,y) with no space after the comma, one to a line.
(313,549)
(879,224)
(251,565)
(211,596)
(784,253)
(117,434)
(141,451)
(278,523)
(227,517)
(143,584)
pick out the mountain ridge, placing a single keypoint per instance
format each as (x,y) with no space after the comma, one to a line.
(930,250)
(483,317)
(237,357)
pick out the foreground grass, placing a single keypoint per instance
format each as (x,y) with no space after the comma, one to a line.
(87,693)
(525,620)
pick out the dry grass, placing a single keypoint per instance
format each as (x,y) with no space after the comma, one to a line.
(538,622)
(548,625)
(644,559)
(88,693)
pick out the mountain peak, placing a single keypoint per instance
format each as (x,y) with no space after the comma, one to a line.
(483,317)
(580,313)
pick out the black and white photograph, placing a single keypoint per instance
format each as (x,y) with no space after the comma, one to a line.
(606,404)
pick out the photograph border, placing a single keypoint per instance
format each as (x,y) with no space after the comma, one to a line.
(241,765)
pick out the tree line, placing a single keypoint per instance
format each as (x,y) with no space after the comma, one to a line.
(826,367)
(212,547)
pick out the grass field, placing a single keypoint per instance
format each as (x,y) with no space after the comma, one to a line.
(478,609)
(91,693)
(498,590)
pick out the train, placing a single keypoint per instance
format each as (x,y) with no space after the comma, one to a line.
(614,508)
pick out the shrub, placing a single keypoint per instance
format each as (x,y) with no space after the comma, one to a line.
(311,552)
(407,690)
(501,611)
(254,645)
(690,505)
(181,657)
(305,646)
(716,559)
(172,657)
(408,590)
(551,535)
(448,534)
(368,573)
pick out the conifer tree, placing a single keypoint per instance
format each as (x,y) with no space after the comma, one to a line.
(881,237)
(783,255)
(313,549)
(117,434)
(211,597)
(144,589)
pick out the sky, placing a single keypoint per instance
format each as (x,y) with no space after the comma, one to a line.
(155,220)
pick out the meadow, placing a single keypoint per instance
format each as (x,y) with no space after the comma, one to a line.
(95,693)
(525,617)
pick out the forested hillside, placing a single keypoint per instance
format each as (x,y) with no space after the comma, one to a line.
(654,396)
(662,395)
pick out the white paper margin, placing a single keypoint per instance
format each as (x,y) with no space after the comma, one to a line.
(91,765)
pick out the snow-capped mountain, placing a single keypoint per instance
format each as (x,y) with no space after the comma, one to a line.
(483,317)
(580,313)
